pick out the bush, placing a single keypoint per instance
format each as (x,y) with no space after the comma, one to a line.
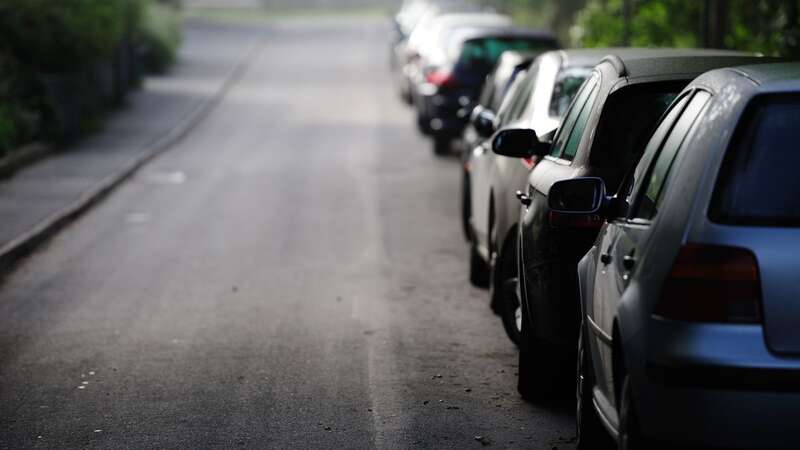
(64,62)
(160,35)
(20,107)
(7,138)
(64,35)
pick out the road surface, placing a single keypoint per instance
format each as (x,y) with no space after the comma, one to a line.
(291,275)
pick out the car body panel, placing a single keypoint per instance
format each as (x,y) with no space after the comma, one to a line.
(439,106)
(550,255)
(702,378)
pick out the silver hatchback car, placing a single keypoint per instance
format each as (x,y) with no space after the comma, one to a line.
(690,296)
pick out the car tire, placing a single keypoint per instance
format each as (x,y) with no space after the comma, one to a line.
(442,145)
(466,205)
(591,435)
(423,124)
(511,311)
(630,436)
(405,95)
(505,291)
(540,365)
(478,269)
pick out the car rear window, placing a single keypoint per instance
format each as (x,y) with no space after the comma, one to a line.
(482,54)
(759,182)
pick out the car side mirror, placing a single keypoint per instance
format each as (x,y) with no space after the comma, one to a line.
(585,195)
(519,143)
(483,120)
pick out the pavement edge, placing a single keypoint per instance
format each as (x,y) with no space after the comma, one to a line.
(25,244)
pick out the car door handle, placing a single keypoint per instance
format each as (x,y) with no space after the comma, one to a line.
(524,199)
(605,258)
(628,262)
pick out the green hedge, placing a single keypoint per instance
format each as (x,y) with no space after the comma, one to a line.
(62,35)
(64,62)
(160,34)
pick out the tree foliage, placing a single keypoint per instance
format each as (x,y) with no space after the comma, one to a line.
(766,26)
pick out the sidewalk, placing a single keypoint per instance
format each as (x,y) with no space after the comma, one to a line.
(40,199)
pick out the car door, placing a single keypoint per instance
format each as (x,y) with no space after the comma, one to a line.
(483,166)
(624,237)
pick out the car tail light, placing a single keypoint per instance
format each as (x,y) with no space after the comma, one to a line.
(441,78)
(710,283)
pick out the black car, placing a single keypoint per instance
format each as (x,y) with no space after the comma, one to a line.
(602,135)
(468,56)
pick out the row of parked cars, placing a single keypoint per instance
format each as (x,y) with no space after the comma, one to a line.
(632,210)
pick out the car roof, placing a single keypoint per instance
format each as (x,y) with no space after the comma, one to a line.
(582,57)
(776,72)
(452,19)
(763,75)
(515,57)
(649,62)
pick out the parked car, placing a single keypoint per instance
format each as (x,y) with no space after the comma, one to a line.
(545,93)
(409,14)
(415,15)
(602,135)
(468,56)
(689,294)
(423,48)
(480,118)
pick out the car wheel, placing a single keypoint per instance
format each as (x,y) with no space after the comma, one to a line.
(441,145)
(590,431)
(630,437)
(466,206)
(405,95)
(478,269)
(540,366)
(505,291)
(423,124)
(511,310)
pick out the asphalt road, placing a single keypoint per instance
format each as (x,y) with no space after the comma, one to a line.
(291,275)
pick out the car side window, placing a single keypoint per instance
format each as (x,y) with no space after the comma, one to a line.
(571,117)
(507,104)
(580,125)
(632,181)
(523,94)
(487,96)
(652,189)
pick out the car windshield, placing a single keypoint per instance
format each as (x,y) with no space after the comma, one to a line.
(759,183)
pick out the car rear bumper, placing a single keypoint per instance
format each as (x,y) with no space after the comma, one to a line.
(716,386)
(442,111)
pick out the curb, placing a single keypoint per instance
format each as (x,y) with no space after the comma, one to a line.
(25,244)
(22,157)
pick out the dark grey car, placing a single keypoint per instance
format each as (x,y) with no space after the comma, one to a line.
(602,135)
